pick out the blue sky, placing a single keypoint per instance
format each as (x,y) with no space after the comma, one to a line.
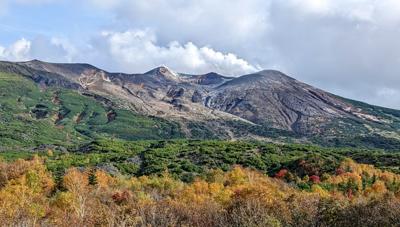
(58,19)
(348,47)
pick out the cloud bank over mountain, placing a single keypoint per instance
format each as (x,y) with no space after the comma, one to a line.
(130,51)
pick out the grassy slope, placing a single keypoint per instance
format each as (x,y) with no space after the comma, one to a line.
(30,116)
(17,125)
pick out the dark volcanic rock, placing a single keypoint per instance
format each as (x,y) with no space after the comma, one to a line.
(196,97)
(211,79)
(175,92)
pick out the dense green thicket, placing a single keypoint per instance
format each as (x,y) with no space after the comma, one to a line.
(187,159)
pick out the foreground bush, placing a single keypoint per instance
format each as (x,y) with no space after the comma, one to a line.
(357,195)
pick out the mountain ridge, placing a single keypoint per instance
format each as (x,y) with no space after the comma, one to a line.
(263,105)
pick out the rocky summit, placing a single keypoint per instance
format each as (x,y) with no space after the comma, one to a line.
(268,105)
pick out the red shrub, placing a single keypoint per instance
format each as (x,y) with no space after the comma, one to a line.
(282,173)
(315,179)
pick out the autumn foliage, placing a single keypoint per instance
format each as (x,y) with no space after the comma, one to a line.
(357,195)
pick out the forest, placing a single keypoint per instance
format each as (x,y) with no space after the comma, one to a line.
(170,183)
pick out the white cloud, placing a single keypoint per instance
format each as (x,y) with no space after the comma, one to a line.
(129,51)
(2,51)
(382,11)
(69,49)
(222,22)
(18,51)
(54,50)
(138,50)
(312,6)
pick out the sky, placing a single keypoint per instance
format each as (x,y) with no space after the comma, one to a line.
(348,47)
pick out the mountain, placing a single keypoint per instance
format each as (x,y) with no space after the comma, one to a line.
(62,104)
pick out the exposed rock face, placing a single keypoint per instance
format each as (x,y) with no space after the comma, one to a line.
(264,98)
(270,96)
(176,92)
(211,79)
(196,98)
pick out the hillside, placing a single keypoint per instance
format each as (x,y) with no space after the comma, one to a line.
(64,104)
(33,115)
